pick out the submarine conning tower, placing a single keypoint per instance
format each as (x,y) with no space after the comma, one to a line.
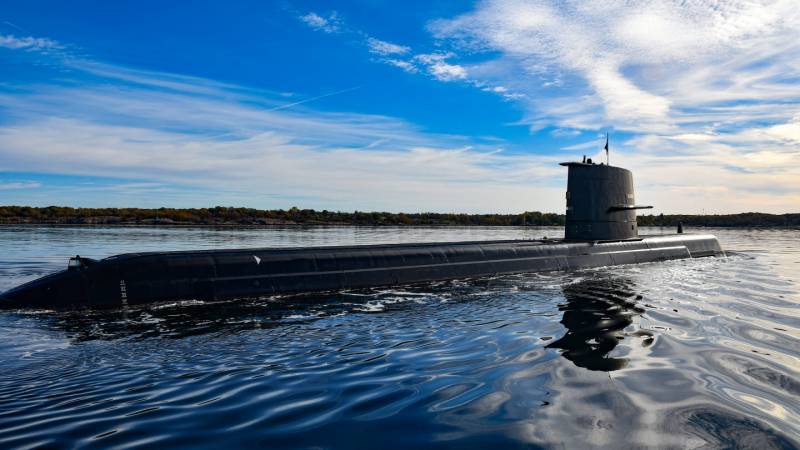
(600,203)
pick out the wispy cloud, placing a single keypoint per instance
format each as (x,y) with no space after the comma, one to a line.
(561,132)
(386,48)
(29,43)
(440,69)
(402,64)
(329,24)
(19,185)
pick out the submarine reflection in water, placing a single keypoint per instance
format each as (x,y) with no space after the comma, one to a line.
(596,313)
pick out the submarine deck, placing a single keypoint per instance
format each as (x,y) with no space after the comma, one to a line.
(401,245)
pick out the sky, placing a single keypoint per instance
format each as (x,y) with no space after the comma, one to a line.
(411,106)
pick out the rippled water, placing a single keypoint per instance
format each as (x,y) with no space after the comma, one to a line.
(700,353)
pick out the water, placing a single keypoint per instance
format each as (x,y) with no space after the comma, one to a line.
(699,353)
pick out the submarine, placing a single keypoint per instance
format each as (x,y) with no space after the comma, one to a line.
(600,230)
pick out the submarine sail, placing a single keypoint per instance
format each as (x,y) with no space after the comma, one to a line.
(600,203)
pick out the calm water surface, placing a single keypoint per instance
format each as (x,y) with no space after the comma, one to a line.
(684,354)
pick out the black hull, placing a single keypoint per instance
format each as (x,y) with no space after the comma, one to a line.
(137,278)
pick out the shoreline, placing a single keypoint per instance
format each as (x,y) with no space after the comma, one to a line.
(294,217)
(300,225)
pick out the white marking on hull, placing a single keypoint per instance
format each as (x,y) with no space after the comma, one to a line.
(123,292)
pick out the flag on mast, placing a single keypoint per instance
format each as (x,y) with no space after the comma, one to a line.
(606,147)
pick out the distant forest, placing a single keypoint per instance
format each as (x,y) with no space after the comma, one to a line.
(219,215)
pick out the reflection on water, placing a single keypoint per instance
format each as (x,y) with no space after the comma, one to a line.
(596,313)
(698,354)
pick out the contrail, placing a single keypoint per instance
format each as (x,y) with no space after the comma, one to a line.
(14,26)
(289,105)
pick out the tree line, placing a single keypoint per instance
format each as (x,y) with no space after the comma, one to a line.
(748,219)
(221,215)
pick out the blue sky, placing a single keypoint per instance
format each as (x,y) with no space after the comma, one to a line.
(398,106)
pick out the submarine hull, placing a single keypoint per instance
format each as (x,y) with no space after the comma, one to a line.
(137,278)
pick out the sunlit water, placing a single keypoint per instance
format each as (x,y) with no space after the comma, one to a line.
(699,353)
